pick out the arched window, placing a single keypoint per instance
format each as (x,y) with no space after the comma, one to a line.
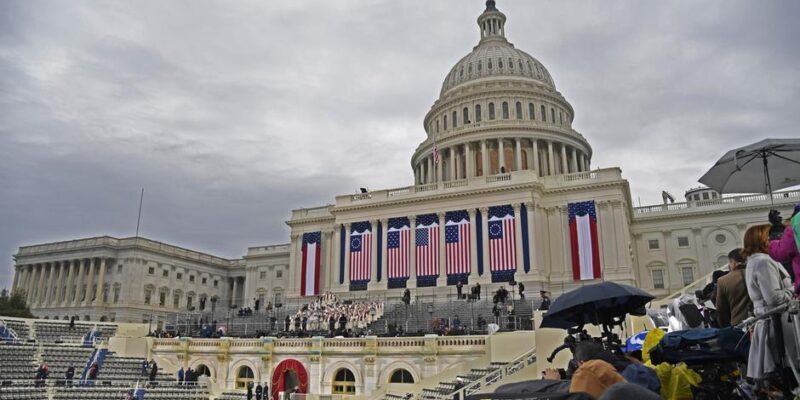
(244,377)
(520,65)
(544,114)
(500,63)
(203,370)
(560,118)
(505,110)
(445,122)
(477,113)
(480,65)
(401,376)
(553,115)
(469,69)
(465,115)
(489,64)
(461,72)
(531,111)
(491,110)
(437,126)
(519,110)
(455,119)
(344,382)
(510,63)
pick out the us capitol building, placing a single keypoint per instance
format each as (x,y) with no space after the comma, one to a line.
(504,190)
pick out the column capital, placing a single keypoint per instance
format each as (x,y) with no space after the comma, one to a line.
(471,212)
(412,219)
(528,205)
(516,206)
(440,214)
(384,221)
(294,236)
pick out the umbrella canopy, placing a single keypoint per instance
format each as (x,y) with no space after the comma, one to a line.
(762,167)
(595,304)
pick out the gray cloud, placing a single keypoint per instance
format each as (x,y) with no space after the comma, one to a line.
(231,114)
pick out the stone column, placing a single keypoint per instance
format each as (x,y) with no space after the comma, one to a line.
(501,155)
(326,267)
(438,167)
(442,280)
(51,280)
(70,276)
(484,158)
(40,291)
(98,294)
(235,291)
(17,274)
(535,152)
(90,281)
(412,259)
(520,256)
(532,245)
(473,246)
(564,166)
(551,163)
(61,282)
(294,271)
(32,280)
(518,154)
(452,151)
(470,163)
(78,282)
(459,165)
(574,160)
(333,277)
(586,164)
(373,262)
(347,256)
(429,174)
(384,262)
(485,244)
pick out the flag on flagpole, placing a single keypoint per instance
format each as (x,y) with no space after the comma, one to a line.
(427,245)
(457,243)
(502,239)
(360,252)
(309,281)
(583,237)
(398,248)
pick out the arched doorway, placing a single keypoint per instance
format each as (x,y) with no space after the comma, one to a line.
(344,382)
(244,377)
(203,370)
(288,374)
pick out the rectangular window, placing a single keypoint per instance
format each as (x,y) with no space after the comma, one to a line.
(191,278)
(683,241)
(116,294)
(658,279)
(216,283)
(262,275)
(652,244)
(148,294)
(189,300)
(165,274)
(176,300)
(151,270)
(162,299)
(688,275)
(178,276)
(705,196)
(205,280)
(119,269)
(279,274)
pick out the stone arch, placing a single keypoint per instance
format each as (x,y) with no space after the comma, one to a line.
(328,375)
(207,363)
(386,372)
(235,368)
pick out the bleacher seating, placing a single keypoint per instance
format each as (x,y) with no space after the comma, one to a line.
(26,392)
(18,362)
(127,369)
(120,392)
(232,396)
(59,358)
(53,332)
(20,328)
(444,390)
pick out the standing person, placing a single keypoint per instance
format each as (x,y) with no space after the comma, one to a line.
(332,324)
(181,376)
(785,251)
(521,288)
(259,391)
(545,304)
(478,290)
(459,288)
(153,372)
(92,373)
(250,391)
(769,286)
(732,302)
(496,313)
(68,375)
(286,323)
(144,367)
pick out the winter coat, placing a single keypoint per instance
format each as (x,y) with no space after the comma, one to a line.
(733,303)
(769,286)
(784,250)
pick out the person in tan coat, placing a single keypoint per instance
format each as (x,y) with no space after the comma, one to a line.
(732,302)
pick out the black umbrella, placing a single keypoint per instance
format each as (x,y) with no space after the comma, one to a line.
(595,304)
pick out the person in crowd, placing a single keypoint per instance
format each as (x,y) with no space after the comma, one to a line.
(72,322)
(594,377)
(496,313)
(478,290)
(69,375)
(41,374)
(481,322)
(181,376)
(732,301)
(286,323)
(769,286)
(784,249)
(407,297)
(153,372)
(459,288)
(521,289)
(545,303)
(502,294)
(92,376)
(456,322)
(259,391)
(145,364)
(304,323)
(250,391)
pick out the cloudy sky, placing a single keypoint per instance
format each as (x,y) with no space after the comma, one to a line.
(232,113)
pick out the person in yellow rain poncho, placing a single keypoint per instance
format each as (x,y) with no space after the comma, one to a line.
(676,381)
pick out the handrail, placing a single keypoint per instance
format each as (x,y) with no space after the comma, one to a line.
(10,330)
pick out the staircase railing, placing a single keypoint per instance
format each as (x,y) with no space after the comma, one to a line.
(9,331)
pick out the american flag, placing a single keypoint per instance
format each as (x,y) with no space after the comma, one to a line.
(457,243)
(397,247)
(435,153)
(583,237)
(502,239)
(427,245)
(360,251)
(312,246)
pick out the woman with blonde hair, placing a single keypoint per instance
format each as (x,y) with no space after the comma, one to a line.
(769,286)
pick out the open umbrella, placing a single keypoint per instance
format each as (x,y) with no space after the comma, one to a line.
(595,304)
(761,167)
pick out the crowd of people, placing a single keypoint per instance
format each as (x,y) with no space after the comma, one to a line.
(328,314)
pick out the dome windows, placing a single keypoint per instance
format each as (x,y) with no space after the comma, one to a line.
(461,73)
(455,119)
(491,111)
(521,69)
(500,63)
(531,111)
(437,126)
(480,65)
(477,113)
(510,63)
(489,64)
(465,116)
(544,113)
(505,110)
(552,115)
(519,110)
(469,68)
(444,123)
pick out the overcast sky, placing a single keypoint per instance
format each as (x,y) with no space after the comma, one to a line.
(230,114)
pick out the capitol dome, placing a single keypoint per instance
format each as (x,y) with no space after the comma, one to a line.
(498,112)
